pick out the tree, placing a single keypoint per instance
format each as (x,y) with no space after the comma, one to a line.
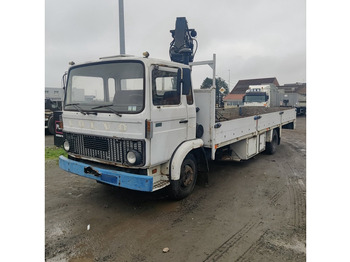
(220,83)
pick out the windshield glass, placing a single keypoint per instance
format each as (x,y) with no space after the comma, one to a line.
(255,98)
(103,87)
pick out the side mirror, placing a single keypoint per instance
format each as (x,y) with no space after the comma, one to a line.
(64,80)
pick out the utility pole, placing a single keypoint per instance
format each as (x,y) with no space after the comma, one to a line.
(229,80)
(121,27)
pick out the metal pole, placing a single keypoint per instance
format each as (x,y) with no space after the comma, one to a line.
(229,79)
(214,70)
(121,27)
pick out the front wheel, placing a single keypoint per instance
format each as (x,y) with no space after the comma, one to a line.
(183,187)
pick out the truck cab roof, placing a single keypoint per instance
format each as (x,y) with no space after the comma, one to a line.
(147,61)
(255,93)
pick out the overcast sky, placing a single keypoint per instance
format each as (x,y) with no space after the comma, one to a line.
(251,38)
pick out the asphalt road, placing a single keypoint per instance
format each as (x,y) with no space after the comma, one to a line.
(251,211)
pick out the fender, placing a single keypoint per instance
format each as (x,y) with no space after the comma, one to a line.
(269,135)
(180,154)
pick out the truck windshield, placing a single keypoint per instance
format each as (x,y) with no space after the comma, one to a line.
(255,98)
(106,87)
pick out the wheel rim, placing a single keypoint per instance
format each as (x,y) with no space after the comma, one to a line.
(188,176)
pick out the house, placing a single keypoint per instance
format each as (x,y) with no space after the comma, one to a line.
(299,88)
(54,94)
(243,85)
(294,95)
(233,100)
(235,97)
(53,98)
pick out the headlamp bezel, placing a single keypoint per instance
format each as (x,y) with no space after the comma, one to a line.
(133,154)
(66,145)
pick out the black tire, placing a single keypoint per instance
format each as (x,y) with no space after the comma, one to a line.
(271,147)
(183,187)
(51,125)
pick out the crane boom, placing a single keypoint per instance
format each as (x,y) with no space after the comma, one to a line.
(181,48)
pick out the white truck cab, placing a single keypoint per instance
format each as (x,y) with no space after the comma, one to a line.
(130,115)
(261,95)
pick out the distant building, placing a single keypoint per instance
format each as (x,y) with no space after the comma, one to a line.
(299,88)
(54,94)
(243,85)
(235,97)
(233,100)
(294,95)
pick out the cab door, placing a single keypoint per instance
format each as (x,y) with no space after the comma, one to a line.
(169,116)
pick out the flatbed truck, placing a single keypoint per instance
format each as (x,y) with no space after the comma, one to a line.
(148,129)
(137,123)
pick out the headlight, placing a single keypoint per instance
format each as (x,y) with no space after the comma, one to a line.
(133,157)
(66,145)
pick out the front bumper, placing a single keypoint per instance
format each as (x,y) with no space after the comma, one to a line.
(112,177)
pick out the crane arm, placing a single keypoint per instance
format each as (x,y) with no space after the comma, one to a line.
(181,48)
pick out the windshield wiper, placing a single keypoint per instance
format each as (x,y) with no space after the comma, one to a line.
(76,105)
(108,107)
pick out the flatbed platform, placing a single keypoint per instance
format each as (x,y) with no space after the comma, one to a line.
(225,114)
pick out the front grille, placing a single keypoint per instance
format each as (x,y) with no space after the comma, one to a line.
(104,148)
(98,143)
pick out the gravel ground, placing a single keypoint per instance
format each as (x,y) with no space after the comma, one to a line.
(251,211)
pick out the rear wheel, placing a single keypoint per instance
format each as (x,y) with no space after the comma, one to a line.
(51,125)
(271,147)
(183,187)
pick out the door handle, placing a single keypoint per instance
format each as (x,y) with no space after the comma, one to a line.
(183,121)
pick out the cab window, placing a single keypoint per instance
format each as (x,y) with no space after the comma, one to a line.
(164,87)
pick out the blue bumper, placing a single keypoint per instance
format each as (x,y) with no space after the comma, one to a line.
(112,177)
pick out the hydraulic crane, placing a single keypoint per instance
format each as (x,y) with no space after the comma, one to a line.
(182,47)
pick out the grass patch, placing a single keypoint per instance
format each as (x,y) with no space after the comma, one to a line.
(52,153)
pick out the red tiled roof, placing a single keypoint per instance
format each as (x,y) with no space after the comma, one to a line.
(243,85)
(233,97)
